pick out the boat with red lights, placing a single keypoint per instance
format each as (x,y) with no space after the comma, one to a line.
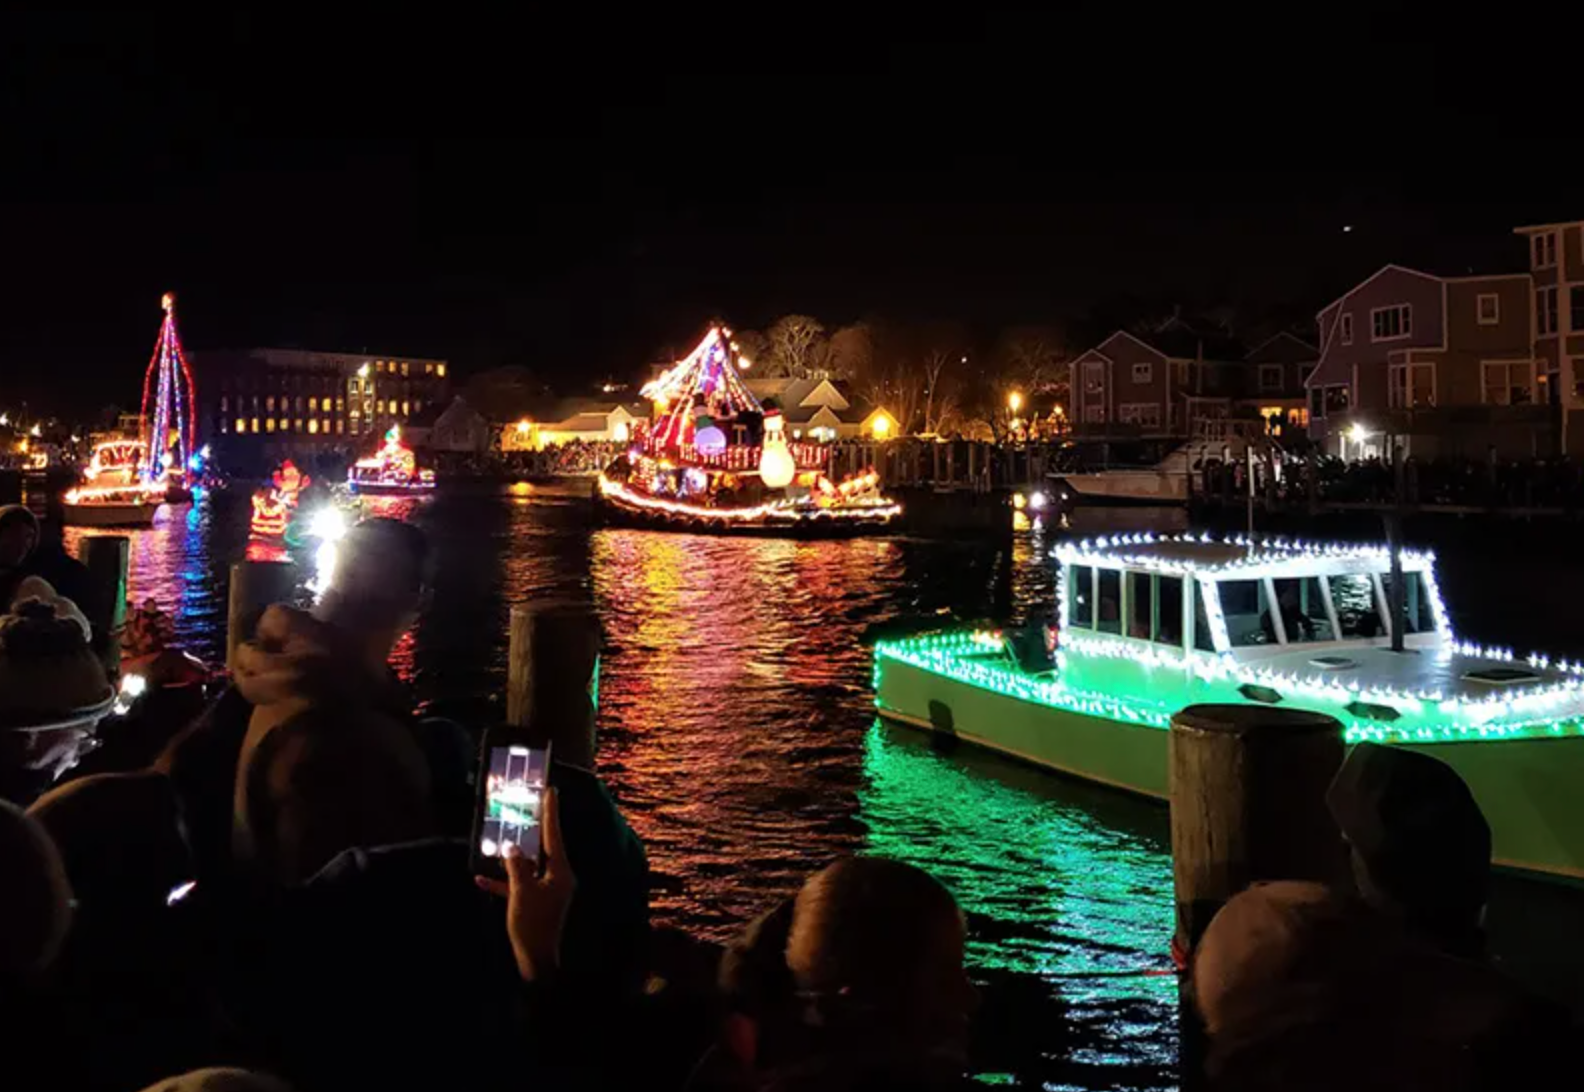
(392,471)
(113,492)
(1149,625)
(714,460)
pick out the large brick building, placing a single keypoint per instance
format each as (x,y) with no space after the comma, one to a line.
(260,405)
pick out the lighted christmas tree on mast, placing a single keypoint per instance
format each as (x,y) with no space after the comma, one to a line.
(167,421)
(706,381)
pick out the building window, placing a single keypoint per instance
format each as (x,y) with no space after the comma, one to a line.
(225,426)
(380,406)
(340,425)
(241,425)
(1546,311)
(1143,414)
(1347,328)
(313,405)
(299,404)
(1488,308)
(225,403)
(253,425)
(1094,377)
(340,405)
(1545,250)
(1576,309)
(1509,382)
(429,368)
(1094,415)
(1270,377)
(1144,373)
(404,367)
(440,370)
(1317,402)
(406,408)
(1338,397)
(1412,386)
(1391,323)
(297,425)
(313,426)
(269,403)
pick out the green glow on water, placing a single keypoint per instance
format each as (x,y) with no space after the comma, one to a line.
(1058,880)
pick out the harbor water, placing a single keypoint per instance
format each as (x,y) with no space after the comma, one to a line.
(738,734)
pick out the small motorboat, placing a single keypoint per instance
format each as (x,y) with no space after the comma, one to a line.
(110,506)
(392,471)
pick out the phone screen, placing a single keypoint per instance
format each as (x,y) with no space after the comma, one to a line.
(514,788)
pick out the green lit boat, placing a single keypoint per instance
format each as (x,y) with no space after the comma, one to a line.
(1149,624)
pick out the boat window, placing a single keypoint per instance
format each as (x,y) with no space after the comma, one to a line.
(1246,608)
(1141,605)
(1169,610)
(1109,602)
(1303,609)
(1204,640)
(1421,617)
(1354,598)
(1080,597)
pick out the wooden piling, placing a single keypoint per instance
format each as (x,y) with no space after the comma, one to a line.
(552,676)
(105,558)
(255,585)
(1248,787)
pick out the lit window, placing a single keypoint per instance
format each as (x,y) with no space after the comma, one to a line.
(404,367)
(324,426)
(340,425)
(241,425)
(269,403)
(406,408)
(429,369)
(440,370)
(313,426)
(253,425)
(356,415)
(340,405)
(379,406)
(313,405)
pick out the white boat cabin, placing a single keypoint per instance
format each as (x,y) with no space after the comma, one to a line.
(1211,598)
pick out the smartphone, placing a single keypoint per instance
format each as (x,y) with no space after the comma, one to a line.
(513,776)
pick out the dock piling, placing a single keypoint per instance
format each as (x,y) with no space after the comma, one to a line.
(1248,789)
(255,585)
(552,676)
(105,557)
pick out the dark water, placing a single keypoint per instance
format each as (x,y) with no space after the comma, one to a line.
(739,735)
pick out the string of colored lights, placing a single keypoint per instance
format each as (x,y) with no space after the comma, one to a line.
(788,509)
(174,399)
(705,370)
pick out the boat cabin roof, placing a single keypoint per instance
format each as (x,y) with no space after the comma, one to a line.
(1210,558)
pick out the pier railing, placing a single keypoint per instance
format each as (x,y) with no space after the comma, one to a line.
(973,465)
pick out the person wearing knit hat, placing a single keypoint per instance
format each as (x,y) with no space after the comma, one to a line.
(1421,846)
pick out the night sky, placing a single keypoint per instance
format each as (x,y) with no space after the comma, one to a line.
(576,193)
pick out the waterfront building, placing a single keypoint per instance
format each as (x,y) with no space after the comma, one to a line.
(261,405)
(1165,386)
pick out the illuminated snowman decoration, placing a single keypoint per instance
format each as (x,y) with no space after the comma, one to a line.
(776,468)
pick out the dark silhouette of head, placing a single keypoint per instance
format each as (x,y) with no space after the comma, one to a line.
(382,567)
(19,535)
(1421,846)
(875,950)
(35,897)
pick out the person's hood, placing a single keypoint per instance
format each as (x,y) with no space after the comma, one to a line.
(220,1080)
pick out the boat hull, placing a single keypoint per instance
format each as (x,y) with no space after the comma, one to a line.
(110,515)
(1152,487)
(383,489)
(619,515)
(1529,789)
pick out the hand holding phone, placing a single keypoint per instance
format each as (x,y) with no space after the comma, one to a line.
(536,900)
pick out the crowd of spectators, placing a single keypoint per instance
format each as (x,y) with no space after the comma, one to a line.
(1555,484)
(284,899)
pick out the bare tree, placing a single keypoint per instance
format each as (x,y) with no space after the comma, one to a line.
(936,397)
(797,345)
(850,352)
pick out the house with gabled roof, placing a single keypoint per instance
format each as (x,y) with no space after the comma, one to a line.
(1157,386)
(1445,364)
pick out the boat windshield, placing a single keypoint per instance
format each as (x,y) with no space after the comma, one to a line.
(1421,615)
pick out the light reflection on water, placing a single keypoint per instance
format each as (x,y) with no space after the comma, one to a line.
(739,735)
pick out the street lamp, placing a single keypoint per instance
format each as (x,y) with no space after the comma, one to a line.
(1014,401)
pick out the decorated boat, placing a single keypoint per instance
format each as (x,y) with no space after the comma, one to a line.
(113,492)
(391,471)
(1150,624)
(713,459)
